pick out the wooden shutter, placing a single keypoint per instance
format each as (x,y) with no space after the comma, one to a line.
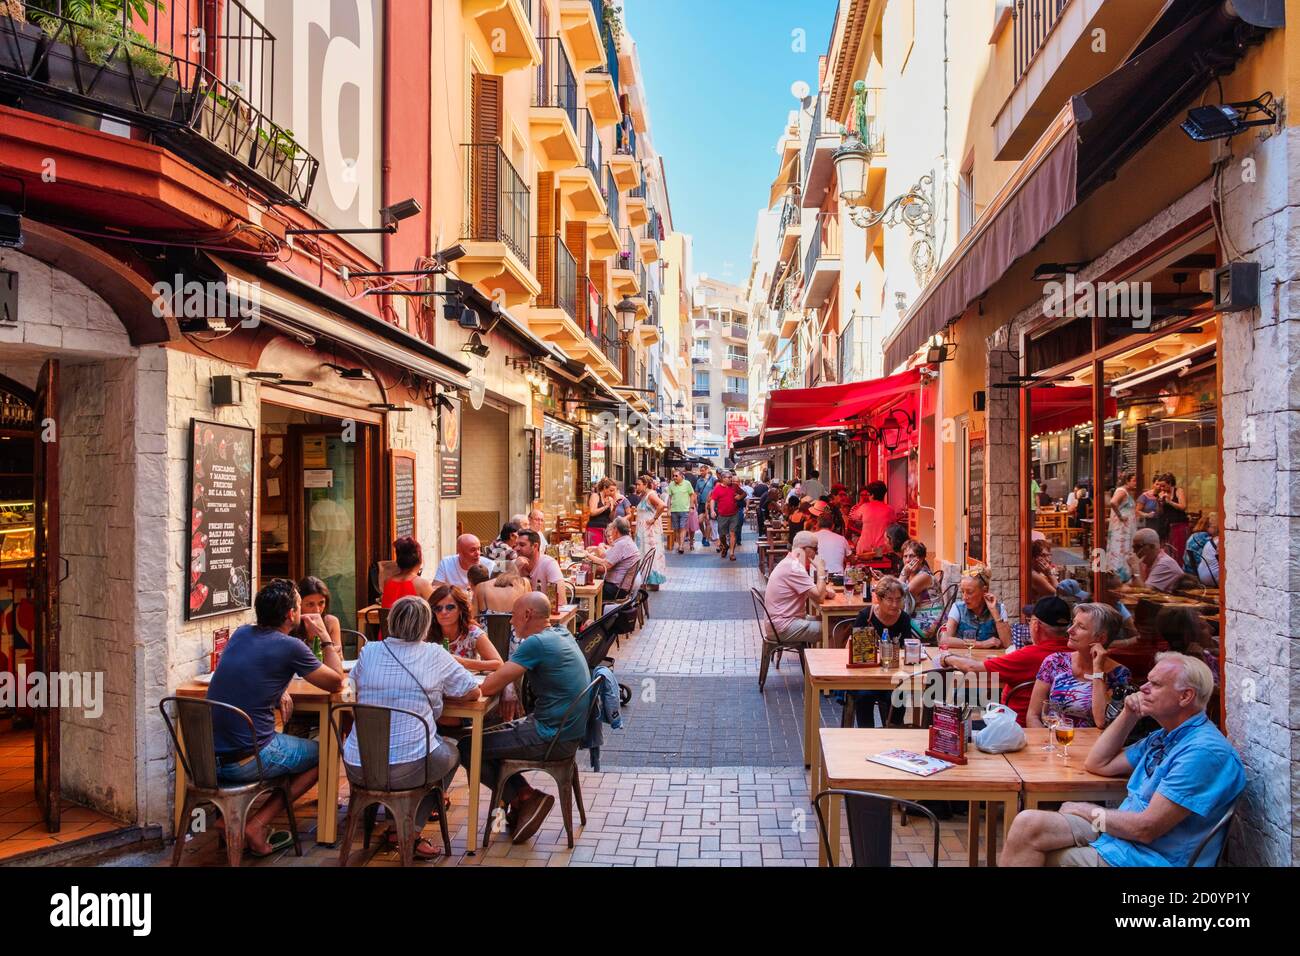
(485,133)
(575,237)
(547,227)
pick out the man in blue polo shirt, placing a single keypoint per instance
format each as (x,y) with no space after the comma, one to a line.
(1182,780)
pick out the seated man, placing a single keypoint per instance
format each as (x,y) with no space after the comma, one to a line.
(557,673)
(1182,780)
(789,588)
(539,567)
(253,675)
(619,559)
(1047,630)
(454,568)
(832,548)
(1151,565)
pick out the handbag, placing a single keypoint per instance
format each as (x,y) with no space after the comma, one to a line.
(692,521)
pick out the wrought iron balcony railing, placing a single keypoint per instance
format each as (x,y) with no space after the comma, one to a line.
(497,202)
(612,202)
(1034,20)
(558,272)
(592,149)
(611,49)
(556,84)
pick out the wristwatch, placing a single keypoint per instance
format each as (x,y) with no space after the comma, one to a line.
(1100,675)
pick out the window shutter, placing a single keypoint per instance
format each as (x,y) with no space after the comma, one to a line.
(575,237)
(547,227)
(485,174)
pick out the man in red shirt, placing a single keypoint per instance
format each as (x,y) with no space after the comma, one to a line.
(724,506)
(1047,627)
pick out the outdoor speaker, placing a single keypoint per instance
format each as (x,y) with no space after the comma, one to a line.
(980,400)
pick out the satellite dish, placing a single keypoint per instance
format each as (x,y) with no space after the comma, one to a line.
(477,391)
(799,90)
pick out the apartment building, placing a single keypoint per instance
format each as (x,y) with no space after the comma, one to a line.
(719,366)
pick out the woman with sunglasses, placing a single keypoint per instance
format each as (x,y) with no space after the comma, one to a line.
(454,627)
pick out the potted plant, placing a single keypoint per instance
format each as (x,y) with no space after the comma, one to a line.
(277,151)
(20,41)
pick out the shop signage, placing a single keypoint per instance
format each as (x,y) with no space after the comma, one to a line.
(535,461)
(220,568)
(403,477)
(585,473)
(449,428)
(477,392)
(704,451)
(975,500)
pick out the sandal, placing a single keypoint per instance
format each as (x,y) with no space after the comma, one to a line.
(425,849)
(276,841)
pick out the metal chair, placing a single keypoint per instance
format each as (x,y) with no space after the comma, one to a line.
(1008,692)
(772,642)
(353,641)
(562,769)
(372,726)
(198,757)
(1222,826)
(499,631)
(870,817)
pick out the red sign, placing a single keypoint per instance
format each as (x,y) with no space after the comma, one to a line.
(737,425)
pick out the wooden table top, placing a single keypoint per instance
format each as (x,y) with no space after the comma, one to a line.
(300,690)
(563,617)
(585,590)
(974,653)
(829,666)
(1040,770)
(840,601)
(845,752)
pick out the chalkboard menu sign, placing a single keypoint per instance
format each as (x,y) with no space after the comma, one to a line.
(449,478)
(975,500)
(220,567)
(584,477)
(403,471)
(535,461)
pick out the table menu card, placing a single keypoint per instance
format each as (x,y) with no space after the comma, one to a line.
(948,734)
(923,765)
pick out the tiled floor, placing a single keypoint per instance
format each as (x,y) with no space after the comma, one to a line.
(705,772)
(22,827)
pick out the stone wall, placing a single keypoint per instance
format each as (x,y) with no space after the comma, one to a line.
(1002,486)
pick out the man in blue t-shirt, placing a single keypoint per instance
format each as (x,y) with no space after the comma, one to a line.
(704,485)
(253,675)
(1182,780)
(557,673)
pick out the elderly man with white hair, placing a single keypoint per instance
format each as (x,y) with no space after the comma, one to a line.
(454,568)
(1183,779)
(790,586)
(1151,565)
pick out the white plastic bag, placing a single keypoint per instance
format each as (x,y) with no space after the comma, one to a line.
(1001,733)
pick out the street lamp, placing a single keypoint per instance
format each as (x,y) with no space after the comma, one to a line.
(627,312)
(913,209)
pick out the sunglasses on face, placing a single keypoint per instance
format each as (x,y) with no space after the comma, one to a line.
(439,608)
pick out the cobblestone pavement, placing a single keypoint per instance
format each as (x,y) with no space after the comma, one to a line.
(705,772)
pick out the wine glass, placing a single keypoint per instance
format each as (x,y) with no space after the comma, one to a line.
(1051,717)
(1063,733)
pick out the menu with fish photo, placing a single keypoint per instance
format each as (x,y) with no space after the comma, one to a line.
(221,513)
(911,761)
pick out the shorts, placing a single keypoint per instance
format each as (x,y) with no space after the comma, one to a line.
(679,519)
(1082,853)
(728,524)
(281,755)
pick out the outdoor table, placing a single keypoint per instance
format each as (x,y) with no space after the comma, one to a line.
(565,616)
(589,596)
(826,670)
(984,777)
(1046,778)
(838,605)
(476,712)
(307,698)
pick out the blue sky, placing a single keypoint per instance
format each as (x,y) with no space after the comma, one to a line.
(717,75)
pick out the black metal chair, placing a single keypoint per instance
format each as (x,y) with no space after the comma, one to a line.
(560,761)
(198,756)
(870,817)
(353,641)
(1225,822)
(1010,691)
(772,641)
(372,726)
(499,631)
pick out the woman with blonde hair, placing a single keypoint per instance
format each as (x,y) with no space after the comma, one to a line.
(499,594)
(978,618)
(1080,681)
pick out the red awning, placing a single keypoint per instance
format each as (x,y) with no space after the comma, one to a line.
(829,405)
(1054,409)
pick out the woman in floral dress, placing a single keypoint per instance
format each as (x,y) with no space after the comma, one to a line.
(650,510)
(1120,525)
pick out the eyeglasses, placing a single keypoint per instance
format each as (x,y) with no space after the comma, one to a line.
(439,608)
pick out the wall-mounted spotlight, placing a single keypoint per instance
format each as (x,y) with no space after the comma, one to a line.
(390,216)
(388,407)
(476,346)
(353,374)
(1225,120)
(1057,271)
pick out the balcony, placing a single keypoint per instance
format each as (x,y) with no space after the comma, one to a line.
(824,136)
(625,274)
(735,399)
(734,330)
(558,272)
(638,213)
(702,359)
(736,363)
(55,60)
(497,223)
(821,263)
(601,83)
(580,185)
(624,163)
(553,118)
(581,22)
(648,331)
(507,33)
(791,226)
(1052,49)
(649,240)
(791,319)
(698,391)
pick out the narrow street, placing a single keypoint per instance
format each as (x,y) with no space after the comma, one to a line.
(705,772)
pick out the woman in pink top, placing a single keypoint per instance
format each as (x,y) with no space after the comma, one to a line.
(876,517)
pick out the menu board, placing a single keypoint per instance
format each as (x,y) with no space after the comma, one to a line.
(535,461)
(975,500)
(403,472)
(947,734)
(220,567)
(449,428)
(584,477)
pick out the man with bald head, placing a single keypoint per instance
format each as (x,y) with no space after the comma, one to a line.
(454,569)
(557,673)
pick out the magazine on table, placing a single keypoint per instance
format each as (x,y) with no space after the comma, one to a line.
(911,761)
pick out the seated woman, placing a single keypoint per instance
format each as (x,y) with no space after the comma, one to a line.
(501,552)
(886,615)
(977,618)
(1184,630)
(406,673)
(407,580)
(316,600)
(499,594)
(1045,579)
(926,598)
(455,628)
(1080,682)
(1194,562)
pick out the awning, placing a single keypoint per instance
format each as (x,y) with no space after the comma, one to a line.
(317,313)
(789,176)
(830,405)
(1054,409)
(774,440)
(1093,135)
